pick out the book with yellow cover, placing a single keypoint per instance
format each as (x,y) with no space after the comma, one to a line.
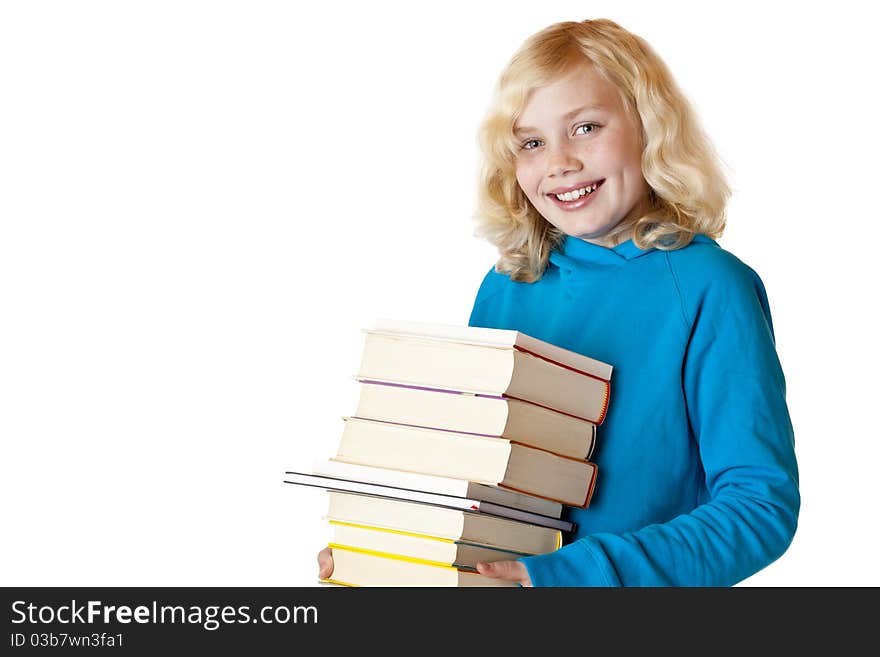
(441,522)
(355,567)
(430,549)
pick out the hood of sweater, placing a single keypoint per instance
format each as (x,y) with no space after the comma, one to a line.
(574,253)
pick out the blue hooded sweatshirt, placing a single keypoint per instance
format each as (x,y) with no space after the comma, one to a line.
(698,482)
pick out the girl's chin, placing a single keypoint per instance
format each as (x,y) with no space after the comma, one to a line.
(607,238)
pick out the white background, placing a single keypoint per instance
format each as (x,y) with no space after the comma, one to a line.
(203,203)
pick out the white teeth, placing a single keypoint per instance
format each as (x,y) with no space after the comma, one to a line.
(577,193)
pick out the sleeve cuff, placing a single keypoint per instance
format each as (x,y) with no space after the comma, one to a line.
(578,564)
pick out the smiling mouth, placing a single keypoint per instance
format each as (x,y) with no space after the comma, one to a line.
(577,197)
(574,193)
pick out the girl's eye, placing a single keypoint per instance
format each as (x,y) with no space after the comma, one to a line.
(582,129)
(587,128)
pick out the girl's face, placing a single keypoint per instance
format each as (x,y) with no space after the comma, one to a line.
(579,162)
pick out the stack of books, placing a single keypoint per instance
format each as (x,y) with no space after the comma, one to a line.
(465,444)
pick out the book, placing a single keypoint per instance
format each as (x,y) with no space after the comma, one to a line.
(436,484)
(486,361)
(429,549)
(441,522)
(486,415)
(483,459)
(496,338)
(365,568)
(480,506)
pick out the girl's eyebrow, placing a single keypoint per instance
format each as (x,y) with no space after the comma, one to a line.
(519,129)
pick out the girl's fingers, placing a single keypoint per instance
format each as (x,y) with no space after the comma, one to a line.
(325,563)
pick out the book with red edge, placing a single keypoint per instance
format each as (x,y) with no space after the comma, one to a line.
(487,460)
(487,361)
(486,415)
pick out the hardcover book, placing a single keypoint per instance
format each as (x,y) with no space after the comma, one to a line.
(487,361)
(441,522)
(465,456)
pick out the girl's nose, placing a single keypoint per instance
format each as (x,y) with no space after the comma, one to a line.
(562,160)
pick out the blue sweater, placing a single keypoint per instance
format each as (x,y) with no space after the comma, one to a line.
(698,483)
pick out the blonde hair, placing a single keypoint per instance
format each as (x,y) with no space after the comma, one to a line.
(688,191)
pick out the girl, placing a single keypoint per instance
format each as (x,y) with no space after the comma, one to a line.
(604,198)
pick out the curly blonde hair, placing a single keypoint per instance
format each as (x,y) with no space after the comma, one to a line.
(688,191)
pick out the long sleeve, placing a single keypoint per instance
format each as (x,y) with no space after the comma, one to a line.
(698,480)
(735,395)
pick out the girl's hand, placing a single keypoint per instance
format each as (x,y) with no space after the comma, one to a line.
(325,563)
(512,571)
